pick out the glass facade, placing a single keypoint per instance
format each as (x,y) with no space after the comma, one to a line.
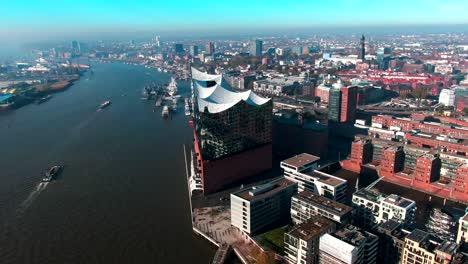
(236,129)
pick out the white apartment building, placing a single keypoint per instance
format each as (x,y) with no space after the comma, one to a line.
(372,208)
(255,208)
(348,245)
(447,97)
(302,169)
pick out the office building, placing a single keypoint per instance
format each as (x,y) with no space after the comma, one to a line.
(210,48)
(194,50)
(447,97)
(334,106)
(372,207)
(462,234)
(342,104)
(229,128)
(302,169)
(305,205)
(348,245)
(256,208)
(256,48)
(362,49)
(301,244)
(422,247)
(178,48)
(348,104)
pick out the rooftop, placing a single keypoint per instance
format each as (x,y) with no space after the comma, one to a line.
(301,160)
(399,201)
(314,227)
(352,235)
(324,203)
(371,195)
(448,247)
(265,190)
(326,178)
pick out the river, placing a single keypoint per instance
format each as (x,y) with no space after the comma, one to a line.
(122,197)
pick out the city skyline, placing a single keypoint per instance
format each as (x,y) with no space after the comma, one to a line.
(52,19)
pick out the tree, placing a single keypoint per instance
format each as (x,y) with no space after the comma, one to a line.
(465,111)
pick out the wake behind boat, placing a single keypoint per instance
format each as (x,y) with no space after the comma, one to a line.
(51,173)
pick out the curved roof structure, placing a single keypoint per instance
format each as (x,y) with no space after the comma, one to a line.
(220,96)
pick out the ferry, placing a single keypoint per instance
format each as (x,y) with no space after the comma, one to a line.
(50,174)
(105,104)
(165,111)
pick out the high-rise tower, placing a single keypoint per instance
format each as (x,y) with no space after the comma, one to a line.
(362,50)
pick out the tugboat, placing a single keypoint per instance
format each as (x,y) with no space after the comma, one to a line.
(44,99)
(165,111)
(187,107)
(50,174)
(105,104)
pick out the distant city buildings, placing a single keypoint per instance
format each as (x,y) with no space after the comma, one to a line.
(178,48)
(256,208)
(194,50)
(256,48)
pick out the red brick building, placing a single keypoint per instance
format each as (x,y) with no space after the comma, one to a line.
(348,104)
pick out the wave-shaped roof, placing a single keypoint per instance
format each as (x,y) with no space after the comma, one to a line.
(220,96)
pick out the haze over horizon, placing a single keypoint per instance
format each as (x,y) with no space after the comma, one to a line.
(54,19)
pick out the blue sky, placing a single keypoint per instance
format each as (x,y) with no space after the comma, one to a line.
(23,17)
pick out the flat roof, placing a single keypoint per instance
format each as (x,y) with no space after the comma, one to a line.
(262,191)
(399,201)
(301,160)
(371,195)
(352,235)
(326,178)
(313,227)
(324,203)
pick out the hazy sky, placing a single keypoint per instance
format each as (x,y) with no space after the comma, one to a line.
(54,18)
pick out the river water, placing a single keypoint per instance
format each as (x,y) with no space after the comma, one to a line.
(122,197)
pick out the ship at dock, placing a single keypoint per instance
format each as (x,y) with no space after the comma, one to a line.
(187,107)
(172,87)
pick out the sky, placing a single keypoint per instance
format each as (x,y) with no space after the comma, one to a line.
(56,18)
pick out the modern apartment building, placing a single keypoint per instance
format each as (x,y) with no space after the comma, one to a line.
(348,245)
(422,247)
(302,169)
(301,244)
(306,205)
(254,209)
(372,207)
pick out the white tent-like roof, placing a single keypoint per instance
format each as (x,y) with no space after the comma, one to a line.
(220,96)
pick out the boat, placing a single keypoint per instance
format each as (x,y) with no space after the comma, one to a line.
(158,101)
(51,173)
(44,99)
(172,87)
(105,104)
(187,107)
(165,111)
